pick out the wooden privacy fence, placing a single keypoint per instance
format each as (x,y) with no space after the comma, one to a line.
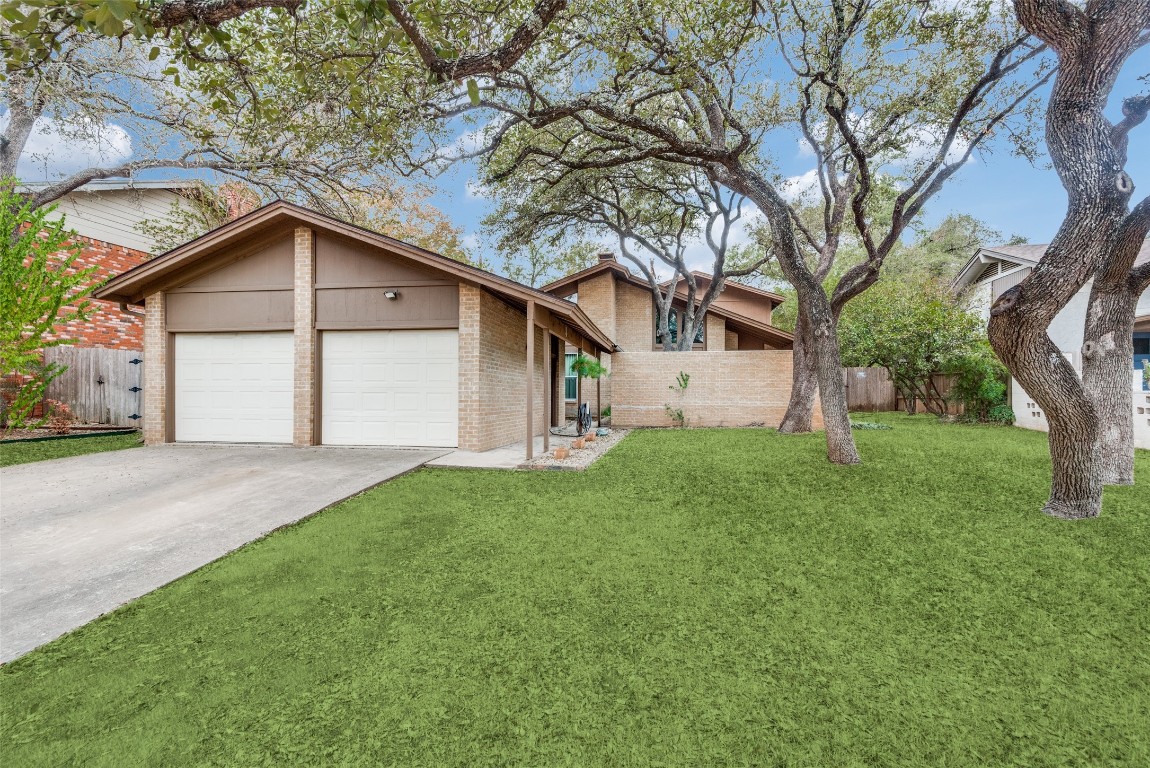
(870,389)
(100,385)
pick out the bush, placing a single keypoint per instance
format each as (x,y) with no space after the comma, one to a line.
(58,417)
(980,386)
(1001,414)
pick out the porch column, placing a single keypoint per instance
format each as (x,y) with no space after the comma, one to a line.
(599,391)
(303,406)
(547,390)
(158,373)
(530,379)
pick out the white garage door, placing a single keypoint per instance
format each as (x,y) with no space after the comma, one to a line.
(390,388)
(234,387)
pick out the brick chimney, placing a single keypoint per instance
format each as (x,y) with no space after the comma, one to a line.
(239,199)
(606,256)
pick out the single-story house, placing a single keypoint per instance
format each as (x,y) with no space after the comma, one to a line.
(289,326)
(991,271)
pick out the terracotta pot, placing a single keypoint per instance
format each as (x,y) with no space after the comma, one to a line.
(561,453)
(589,437)
(578,443)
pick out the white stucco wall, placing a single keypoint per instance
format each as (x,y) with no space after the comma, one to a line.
(1066,332)
(1143,305)
(978,299)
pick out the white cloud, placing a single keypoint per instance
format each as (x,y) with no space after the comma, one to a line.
(475,190)
(472,242)
(58,148)
(802,188)
(922,142)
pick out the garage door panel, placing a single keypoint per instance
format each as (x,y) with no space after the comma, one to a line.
(390,388)
(233,387)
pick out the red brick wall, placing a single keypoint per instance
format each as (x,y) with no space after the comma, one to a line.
(107,326)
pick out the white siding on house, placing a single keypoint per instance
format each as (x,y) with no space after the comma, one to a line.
(1066,332)
(113,215)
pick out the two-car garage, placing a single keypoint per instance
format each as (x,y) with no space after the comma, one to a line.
(378,387)
(287,326)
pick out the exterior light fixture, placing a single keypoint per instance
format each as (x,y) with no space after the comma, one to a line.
(391,294)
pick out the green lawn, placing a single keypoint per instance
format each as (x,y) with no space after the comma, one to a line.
(22,453)
(698,598)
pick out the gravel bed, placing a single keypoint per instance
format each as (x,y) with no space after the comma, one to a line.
(578,458)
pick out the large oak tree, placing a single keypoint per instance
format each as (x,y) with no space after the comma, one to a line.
(1098,239)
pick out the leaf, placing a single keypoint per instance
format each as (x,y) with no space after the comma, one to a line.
(154,53)
(121,9)
(473,91)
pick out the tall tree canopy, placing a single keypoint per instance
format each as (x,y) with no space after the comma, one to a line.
(875,90)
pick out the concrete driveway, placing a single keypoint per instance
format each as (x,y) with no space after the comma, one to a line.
(83,535)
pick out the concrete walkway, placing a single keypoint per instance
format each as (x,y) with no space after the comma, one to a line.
(82,535)
(506,457)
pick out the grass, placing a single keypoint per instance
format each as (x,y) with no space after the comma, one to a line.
(698,598)
(23,453)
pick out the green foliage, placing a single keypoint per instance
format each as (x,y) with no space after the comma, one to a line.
(199,210)
(544,260)
(714,598)
(868,425)
(914,330)
(939,254)
(38,278)
(980,385)
(588,367)
(675,413)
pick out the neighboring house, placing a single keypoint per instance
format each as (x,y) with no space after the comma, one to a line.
(106,215)
(288,326)
(991,271)
(739,366)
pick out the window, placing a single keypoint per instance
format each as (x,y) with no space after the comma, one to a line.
(673,328)
(1142,344)
(570,380)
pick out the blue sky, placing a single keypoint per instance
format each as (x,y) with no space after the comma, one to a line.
(1008,193)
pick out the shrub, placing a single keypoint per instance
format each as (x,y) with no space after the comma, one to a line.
(1001,414)
(58,417)
(980,386)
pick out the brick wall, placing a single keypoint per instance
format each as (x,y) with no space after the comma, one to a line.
(726,389)
(107,326)
(716,336)
(597,300)
(303,402)
(634,318)
(492,361)
(731,340)
(156,372)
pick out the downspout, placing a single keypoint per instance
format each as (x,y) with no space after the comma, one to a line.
(126,311)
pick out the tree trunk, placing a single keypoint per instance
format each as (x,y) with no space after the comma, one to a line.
(1019,338)
(800,414)
(1088,152)
(833,392)
(1107,373)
